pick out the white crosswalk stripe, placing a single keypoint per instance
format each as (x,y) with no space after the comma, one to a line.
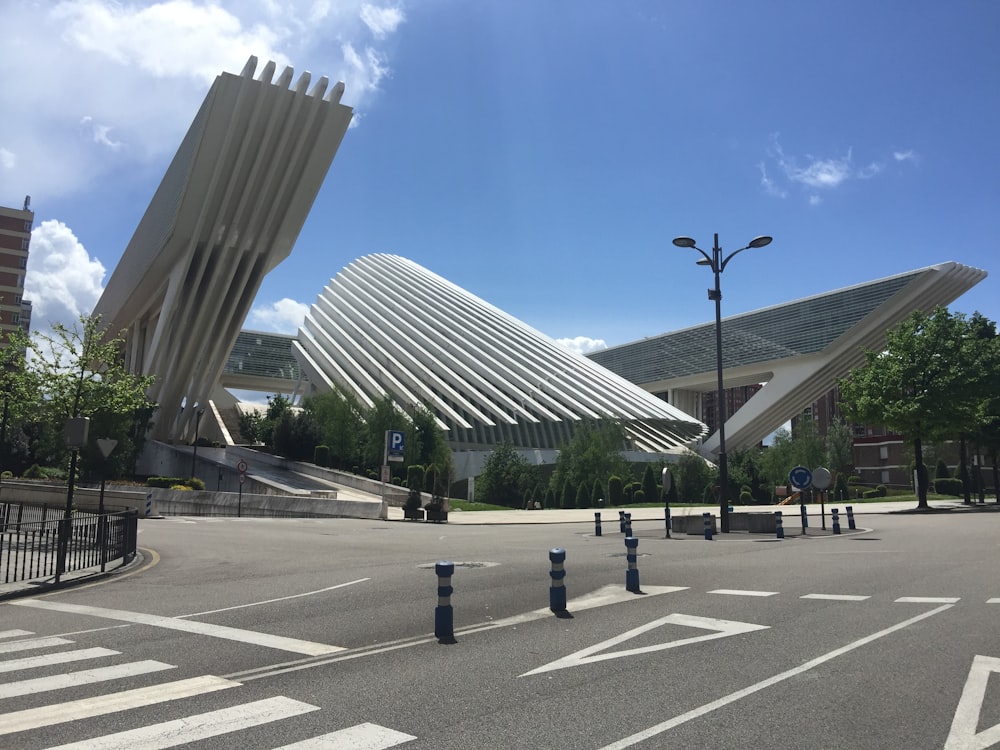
(165,734)
(60,657)
(360,737)
(81,677)
(198,727)
(85,708)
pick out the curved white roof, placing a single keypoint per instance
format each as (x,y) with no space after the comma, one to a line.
(385,325)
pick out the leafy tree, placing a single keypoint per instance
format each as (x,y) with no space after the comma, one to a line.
(568,495)
(840,447)
(381,417)
(942,472)
(594,453)
(596,493)
(695,474)
(414,485)
(80,372)
(504,478)
(745,471)
(616,494)
(921,385)
(340,419)
(650,489)
(582,496)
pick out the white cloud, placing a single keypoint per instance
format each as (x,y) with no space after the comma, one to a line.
(381,21)
(813,173)
(904,155)
(62,281)
(95,87)
(283,316)
(582,344)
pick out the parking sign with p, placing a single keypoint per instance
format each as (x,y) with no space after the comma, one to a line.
(394,445)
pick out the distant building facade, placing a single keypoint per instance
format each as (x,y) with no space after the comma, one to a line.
(15,239)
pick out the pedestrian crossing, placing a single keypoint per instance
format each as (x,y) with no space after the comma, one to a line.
(23,653)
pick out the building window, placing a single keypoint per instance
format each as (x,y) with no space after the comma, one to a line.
(27,226)
(885,477)
(15,318)
(24,262)
(17,299)
(883,452)
(25,242)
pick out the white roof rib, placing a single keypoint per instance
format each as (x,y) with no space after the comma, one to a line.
(386,325)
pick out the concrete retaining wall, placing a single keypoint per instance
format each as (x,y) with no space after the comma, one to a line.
(193,503)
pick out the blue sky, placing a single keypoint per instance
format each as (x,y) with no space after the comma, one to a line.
(540,154)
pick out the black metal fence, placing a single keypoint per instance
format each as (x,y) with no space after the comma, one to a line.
(36,541)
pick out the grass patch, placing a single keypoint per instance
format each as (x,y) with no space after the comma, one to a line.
(466,505)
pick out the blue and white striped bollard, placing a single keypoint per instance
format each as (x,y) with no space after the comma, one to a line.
(628,524)
(557,589)
(835,516)
(631,555)
(666,517)
(621,521)
(805,520)
(850,518)
(444,616)
(779,525)
(706,518)
(597,524)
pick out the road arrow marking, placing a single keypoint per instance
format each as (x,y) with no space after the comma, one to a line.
(963,735)
(719,628)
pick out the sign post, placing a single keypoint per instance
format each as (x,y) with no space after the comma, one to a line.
(394,446)
(242,467)
(801,479)
(821,480)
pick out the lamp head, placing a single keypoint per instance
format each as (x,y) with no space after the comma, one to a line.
(703,262)
(760,241)
(684,242)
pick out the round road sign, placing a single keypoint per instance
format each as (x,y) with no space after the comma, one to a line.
(822,478)
(800,478)
(242,466)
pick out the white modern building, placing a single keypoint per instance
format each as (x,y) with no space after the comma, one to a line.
(228,210)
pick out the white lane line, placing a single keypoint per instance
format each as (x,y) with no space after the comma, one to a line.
(279,599)
(8,648)
(927,599)
(696,713)
(61,657)
(742,592)
(14,633)
(309,648)
(837,597)
(995,600)
(101,705)
(81,677)
(365,736)
(192,728)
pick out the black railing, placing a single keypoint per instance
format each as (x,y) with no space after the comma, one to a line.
(36,542)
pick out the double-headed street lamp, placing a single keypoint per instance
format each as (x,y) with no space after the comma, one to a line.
(718,264)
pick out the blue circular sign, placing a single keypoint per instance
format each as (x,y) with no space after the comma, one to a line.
(800,478)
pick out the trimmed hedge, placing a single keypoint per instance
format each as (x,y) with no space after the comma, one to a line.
(949,486)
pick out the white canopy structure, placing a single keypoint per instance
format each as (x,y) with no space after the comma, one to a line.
(228,210)
(387,326)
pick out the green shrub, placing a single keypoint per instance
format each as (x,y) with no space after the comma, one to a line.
(582,496)
(165,482)
(34,472)
(6,475)
(881,490)
(870,494)
(194,483)
(414,483)
(639,496)
(616,493)
(321,455)
(952,486)
(941,471)
(746,498)
(180,487)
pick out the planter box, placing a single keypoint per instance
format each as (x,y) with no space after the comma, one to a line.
(437,516)
(691,525)
(413,514)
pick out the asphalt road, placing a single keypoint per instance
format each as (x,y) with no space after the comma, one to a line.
(253,633)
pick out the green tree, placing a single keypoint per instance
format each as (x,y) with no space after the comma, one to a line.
(582,496)
(596,493)
(594,453)
(340,419)
(80,372)
(920,384)
(840,447)
(506,475)
(650,489)
(694,475)
(380,418)
(616,493)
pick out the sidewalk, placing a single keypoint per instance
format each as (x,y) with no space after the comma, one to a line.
(609,515)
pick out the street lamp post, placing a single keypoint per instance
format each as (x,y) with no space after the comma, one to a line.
(718,264)
(194,453)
